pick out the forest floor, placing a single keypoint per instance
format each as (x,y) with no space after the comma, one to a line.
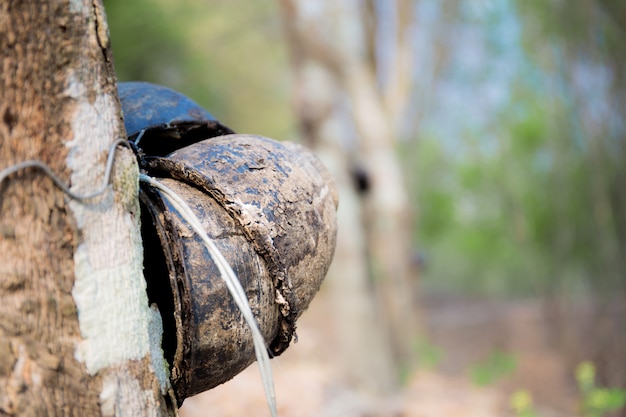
(311,381)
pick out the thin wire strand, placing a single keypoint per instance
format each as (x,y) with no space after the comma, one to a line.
(5,173)
(232,283)
(139,136)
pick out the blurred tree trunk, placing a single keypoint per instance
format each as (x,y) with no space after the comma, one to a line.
(349,101)
(75,326)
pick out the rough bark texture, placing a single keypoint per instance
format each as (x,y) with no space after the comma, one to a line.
(61,260)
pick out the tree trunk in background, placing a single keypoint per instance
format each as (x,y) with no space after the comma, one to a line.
(350,118)
(359,331)
(75,326)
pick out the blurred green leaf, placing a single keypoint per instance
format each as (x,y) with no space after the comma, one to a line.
(597,401)
(586,376)
(428,355)
(522,404)
(498,365)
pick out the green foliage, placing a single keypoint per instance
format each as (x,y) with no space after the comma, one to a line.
(597,401)
(498,365)
(146,41)
(522,404)
(229,56)
(438,207)
(529,202)
(428,355)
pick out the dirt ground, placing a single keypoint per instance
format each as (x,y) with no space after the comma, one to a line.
(311,381)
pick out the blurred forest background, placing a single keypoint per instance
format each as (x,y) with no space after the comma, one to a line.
(479,148)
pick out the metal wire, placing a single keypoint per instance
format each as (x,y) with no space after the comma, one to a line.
(5,173)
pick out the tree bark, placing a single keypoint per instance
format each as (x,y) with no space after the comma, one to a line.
(77,337)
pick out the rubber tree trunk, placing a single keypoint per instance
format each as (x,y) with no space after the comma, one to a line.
(350,119)
(77,337)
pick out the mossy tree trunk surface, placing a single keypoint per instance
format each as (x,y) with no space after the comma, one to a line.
(76,330)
